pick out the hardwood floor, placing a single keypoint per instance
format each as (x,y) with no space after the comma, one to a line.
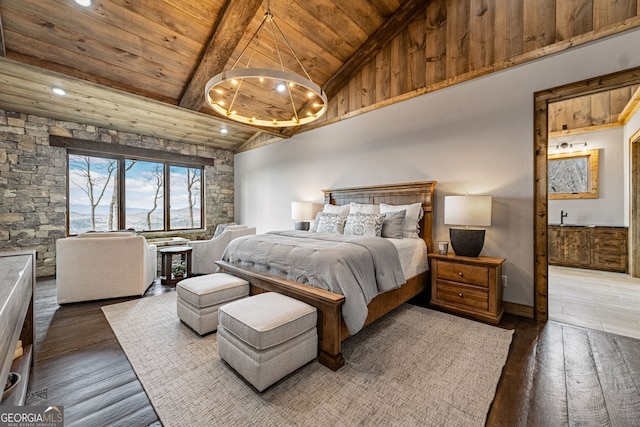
(556,374)
(594,299)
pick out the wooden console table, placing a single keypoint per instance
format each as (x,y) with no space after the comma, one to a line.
(17,287)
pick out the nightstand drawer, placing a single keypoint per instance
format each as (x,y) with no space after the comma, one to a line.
(463,295)
(469,274)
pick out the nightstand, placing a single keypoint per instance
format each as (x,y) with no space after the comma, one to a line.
(468,286)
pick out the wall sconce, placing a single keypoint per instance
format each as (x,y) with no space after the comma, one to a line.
(302,213)
(565,146)
(467,211)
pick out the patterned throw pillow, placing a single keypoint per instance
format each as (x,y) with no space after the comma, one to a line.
(359,224)
(330,223)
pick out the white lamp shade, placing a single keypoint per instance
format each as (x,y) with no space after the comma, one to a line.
(467,210)
(301,211)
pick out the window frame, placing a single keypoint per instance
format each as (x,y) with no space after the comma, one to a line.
(121,189)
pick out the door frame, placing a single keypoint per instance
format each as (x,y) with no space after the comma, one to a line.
(634,204)
(541,141)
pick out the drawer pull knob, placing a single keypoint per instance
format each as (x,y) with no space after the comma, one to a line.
(460,295)
(460,274)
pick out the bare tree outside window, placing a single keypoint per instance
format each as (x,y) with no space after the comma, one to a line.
(193,190)
(157,178)
(113,206)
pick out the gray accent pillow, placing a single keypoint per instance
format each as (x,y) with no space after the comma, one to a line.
(330,223)
(220,228)
(393,224)
(361,224)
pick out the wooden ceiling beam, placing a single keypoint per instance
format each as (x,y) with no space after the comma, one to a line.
(3,49)
(234,19)
(383,35)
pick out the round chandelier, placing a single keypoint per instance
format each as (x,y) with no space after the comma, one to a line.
(264,96)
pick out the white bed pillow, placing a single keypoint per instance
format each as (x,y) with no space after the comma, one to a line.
(363,208)
(413,215)
(336,209)
(330,223)
(361,224)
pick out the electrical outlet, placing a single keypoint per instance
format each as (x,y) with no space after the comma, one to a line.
(504,280)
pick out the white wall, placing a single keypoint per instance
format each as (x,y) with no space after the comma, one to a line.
(609,208)
(475,137)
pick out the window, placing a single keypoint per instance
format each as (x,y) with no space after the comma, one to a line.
(184,197)
(92,195)
(144,193)
(153,196)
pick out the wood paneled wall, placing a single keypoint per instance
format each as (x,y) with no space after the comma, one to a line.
(598,109)
(456,40)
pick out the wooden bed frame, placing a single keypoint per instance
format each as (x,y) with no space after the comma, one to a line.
(331,327)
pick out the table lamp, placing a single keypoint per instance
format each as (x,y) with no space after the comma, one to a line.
(467,211)
(302,213)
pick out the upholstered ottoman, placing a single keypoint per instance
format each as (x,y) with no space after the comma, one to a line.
(267,336)
(200,297)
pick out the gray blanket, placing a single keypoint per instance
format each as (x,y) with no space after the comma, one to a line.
(357,267)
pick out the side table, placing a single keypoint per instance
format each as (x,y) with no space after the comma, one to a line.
(468,286)
(167,254)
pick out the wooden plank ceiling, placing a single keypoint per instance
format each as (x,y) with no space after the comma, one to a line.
(141,66)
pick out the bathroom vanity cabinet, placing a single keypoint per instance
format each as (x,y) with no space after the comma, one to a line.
(592,247)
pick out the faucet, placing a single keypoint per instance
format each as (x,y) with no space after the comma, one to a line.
(563,215)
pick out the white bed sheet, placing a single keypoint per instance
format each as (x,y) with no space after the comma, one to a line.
(413,256)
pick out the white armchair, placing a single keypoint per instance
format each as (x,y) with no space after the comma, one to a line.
(206,252)
(95,266)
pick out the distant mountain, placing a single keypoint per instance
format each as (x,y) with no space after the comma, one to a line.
(80,220)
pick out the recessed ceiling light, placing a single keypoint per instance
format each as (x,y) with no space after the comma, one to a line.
(59,91)
(85,3)
(224,131)
(281,87)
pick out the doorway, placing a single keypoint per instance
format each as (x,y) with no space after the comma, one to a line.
(541,141)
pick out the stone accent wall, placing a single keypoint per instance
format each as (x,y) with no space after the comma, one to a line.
(33,187)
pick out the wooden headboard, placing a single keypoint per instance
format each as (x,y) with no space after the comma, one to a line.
(392,194)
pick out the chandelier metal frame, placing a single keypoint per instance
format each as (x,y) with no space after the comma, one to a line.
(282,76)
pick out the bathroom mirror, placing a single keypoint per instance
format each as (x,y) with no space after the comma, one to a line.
(573,175)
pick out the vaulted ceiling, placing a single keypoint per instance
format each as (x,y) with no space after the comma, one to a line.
(142,65)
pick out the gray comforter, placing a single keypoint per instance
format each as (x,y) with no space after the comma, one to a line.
(357,267)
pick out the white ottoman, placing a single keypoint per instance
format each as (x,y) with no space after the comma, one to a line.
(200,297)
(267,336)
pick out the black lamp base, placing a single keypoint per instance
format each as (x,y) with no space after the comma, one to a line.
(302,225)
(466,242)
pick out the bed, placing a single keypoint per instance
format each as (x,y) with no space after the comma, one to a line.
(332,329)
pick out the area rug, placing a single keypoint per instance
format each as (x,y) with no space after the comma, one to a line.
(415,366)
